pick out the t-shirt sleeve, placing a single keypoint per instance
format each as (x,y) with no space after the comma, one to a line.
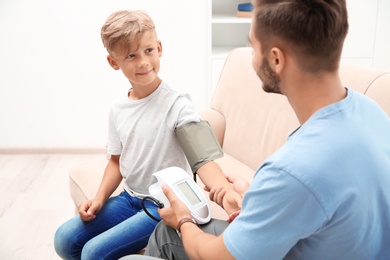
(278,210)
(183,111)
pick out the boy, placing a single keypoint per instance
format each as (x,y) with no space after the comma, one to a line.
(141,140)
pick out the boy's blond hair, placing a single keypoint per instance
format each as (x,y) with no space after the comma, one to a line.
(123,27)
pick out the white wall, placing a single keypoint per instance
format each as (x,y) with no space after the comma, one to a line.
(382,37)
(56,86)
(368,40)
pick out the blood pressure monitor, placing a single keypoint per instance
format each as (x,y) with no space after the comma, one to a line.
(185,188)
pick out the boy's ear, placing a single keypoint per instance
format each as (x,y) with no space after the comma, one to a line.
(112,62)
(159,48)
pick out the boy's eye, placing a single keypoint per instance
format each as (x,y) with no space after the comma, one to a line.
(130,56)
(149,50)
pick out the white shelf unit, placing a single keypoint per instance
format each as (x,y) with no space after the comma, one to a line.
(227,33)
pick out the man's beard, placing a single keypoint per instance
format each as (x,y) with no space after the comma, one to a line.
(269,78)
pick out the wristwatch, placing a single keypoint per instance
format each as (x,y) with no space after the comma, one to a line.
(184,220)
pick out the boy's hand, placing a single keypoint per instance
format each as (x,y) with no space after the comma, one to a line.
(89,209)
(230,200)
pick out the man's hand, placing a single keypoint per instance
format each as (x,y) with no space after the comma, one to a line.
(178,210)
(89,209)
(197,244)
(240,185)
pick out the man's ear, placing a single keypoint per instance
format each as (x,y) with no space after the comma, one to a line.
(277,60)
(112,62)
(159,48)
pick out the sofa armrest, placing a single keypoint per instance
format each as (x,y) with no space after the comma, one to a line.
(216,121)
(84,180)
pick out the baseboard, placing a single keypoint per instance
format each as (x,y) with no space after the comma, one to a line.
(52,150)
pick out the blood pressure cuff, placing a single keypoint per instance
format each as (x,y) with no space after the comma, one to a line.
(199,143)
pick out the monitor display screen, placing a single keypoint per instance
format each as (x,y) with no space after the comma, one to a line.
(189,193)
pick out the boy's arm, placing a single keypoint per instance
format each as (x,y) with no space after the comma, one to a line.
(212,177)
(111,180)
(201,149)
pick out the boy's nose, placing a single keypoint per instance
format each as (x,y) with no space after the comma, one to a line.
(144,62)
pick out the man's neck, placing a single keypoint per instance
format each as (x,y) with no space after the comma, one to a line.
(311,92)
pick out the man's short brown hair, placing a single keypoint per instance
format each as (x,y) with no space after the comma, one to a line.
(313,30)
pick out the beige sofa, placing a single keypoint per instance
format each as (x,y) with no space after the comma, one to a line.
(248,123)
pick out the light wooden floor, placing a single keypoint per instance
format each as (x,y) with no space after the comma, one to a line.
(34,201)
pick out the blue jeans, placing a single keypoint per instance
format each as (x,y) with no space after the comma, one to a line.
(121,228)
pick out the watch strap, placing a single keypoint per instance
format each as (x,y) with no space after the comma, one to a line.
(184,220)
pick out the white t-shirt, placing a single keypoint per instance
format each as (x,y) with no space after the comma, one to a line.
(143,133)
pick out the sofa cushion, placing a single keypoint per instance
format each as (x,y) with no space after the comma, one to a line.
(358,78)
(257,123)
(379,90)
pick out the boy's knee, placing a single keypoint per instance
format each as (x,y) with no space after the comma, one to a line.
(89,252)
(66,244)
(58,243)
(61,243)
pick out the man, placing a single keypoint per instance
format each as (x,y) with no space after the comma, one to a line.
(325,193)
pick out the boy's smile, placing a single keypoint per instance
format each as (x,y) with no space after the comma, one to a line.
(141,64)
(144,73)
